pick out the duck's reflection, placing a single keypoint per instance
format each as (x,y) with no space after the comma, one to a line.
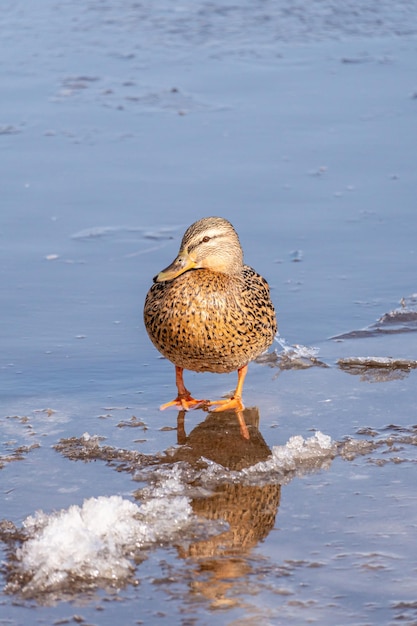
(220,439)
(221,561)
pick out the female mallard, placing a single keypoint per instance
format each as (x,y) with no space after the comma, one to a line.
(208,312)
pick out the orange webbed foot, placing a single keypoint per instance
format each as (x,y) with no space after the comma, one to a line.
(228,404)
(184,403)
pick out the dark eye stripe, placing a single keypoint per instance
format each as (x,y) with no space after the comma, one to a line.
(205,239)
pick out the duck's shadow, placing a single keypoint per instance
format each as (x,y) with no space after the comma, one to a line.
(221,561)
(231,439)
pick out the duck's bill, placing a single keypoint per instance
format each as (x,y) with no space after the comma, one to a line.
(181,264)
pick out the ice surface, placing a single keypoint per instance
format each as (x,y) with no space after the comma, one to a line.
(378,361)
(94,544)
(375,369)
(101,542)
(97,232)
(402,319)
(299,456)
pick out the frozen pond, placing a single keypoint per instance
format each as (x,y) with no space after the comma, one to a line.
(121,124)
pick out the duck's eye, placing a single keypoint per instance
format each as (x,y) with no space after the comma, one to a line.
(205,239)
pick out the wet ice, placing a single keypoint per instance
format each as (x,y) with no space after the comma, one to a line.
(96,543)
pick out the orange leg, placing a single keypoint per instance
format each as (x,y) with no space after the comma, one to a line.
(235,402)
(184,399)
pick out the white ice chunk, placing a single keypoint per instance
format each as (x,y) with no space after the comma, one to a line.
(86,541)
(96,541)
(298,450)
(296,351)
(298,455)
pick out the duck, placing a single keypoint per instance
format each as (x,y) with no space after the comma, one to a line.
(209,312)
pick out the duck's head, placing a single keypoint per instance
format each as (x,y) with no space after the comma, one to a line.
(211,243)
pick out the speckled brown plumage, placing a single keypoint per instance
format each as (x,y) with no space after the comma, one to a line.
(207,312)
(206,321)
